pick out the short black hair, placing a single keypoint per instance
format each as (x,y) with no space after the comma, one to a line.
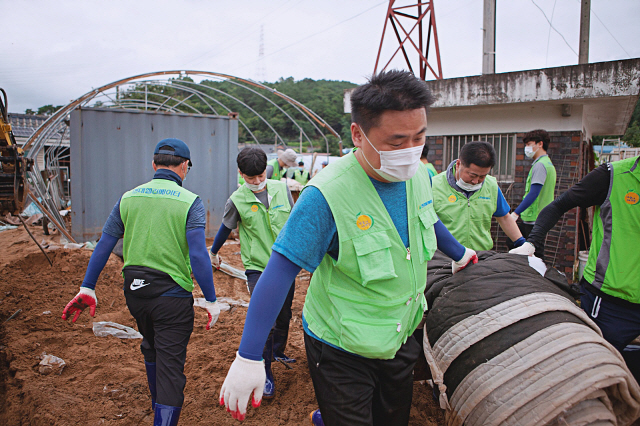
(300,163)
(168,160)
(425,151)
(252,161)
(537,136)
(393,90)
(480,153)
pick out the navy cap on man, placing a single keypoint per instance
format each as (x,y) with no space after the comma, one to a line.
(180,149)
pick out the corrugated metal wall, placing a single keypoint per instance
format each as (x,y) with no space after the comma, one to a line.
(112,151)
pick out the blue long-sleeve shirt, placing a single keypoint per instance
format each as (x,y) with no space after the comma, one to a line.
(196,219)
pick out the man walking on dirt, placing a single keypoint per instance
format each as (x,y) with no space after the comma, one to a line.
(369,229)
(163,229)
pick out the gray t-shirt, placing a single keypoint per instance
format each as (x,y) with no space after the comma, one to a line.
(538,172)
(231,217)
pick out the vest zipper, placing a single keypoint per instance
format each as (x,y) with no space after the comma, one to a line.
(408,253)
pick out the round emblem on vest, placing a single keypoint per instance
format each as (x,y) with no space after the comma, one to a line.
(631,197)
(364,222)
(254,208)
(452,198)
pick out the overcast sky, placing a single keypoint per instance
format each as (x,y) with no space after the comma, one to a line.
(55,51)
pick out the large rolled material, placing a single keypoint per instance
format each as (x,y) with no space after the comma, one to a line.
(507,346)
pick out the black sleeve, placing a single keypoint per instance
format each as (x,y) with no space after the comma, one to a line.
(592,190)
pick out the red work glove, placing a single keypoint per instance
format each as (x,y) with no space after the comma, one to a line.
(213,310)
(86,298)
(469,257)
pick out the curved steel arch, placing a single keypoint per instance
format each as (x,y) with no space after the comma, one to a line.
(58,122)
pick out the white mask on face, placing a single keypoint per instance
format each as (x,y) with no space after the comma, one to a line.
(468,186)
(529,152)
(256,188)
(397,165)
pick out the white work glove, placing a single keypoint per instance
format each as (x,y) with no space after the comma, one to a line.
(245,377)
(215,260)
(213,310)
(515,216)
(526,249)
(86,298)
(469,257)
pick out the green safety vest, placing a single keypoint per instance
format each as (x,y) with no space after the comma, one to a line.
(259,226)
(614,254)
(546,194)
(301,176)
(155,220)
(371,299)
(433,169)
(240,179)
(468,220)
(277,173)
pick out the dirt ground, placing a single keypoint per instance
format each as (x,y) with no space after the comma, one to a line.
(104,381)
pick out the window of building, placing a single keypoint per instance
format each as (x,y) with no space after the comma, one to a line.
(504,144)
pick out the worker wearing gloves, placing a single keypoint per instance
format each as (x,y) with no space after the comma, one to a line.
(466,197)
(541,182)
(259,209)
(163,229)
(276,168)
(370,228)
(611,282)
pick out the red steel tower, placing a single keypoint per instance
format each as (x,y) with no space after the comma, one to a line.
(409,22)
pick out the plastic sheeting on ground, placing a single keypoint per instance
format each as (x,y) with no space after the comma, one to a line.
(507,346)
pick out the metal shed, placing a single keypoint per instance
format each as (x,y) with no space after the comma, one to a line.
(112,152)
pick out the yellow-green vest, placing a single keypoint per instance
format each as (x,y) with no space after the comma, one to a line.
(371,299)
(154,215)
(277,172)
(546,193)
(468,220)
(259,226)
(614,255)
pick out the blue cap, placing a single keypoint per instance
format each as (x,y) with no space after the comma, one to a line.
(180,149)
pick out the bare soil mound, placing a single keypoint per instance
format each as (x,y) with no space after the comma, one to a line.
(104,381)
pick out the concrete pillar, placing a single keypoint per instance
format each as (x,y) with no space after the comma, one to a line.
(489,38)
(585,18)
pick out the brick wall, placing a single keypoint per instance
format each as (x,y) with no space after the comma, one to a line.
(564,152)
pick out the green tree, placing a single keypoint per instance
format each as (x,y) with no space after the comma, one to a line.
(632,136)
(48,109)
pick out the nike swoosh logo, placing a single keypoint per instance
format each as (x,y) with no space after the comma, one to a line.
(137,285)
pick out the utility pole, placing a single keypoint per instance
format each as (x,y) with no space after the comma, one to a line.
(585,19)
(489,38)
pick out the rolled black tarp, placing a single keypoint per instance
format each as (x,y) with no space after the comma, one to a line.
(509,346)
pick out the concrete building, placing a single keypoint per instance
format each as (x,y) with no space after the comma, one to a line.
(573,103)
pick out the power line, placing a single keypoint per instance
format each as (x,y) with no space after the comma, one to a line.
(546,58)
(554,28)
(605,27)
(319,32)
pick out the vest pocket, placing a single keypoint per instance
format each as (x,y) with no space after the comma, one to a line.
(374,257)
(427,243)
(375,338)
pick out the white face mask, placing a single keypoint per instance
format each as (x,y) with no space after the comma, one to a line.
(529,152)
(256,188)
(468,186)
(397,165)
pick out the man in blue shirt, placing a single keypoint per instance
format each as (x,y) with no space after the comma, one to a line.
(389,117)
(162,224)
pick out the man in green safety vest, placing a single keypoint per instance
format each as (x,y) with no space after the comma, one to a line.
(301,175)
(259,208)
(611,281)
(162,226)
(369,228)
(276,168)
(425,161)
(466,197)
(541,181)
